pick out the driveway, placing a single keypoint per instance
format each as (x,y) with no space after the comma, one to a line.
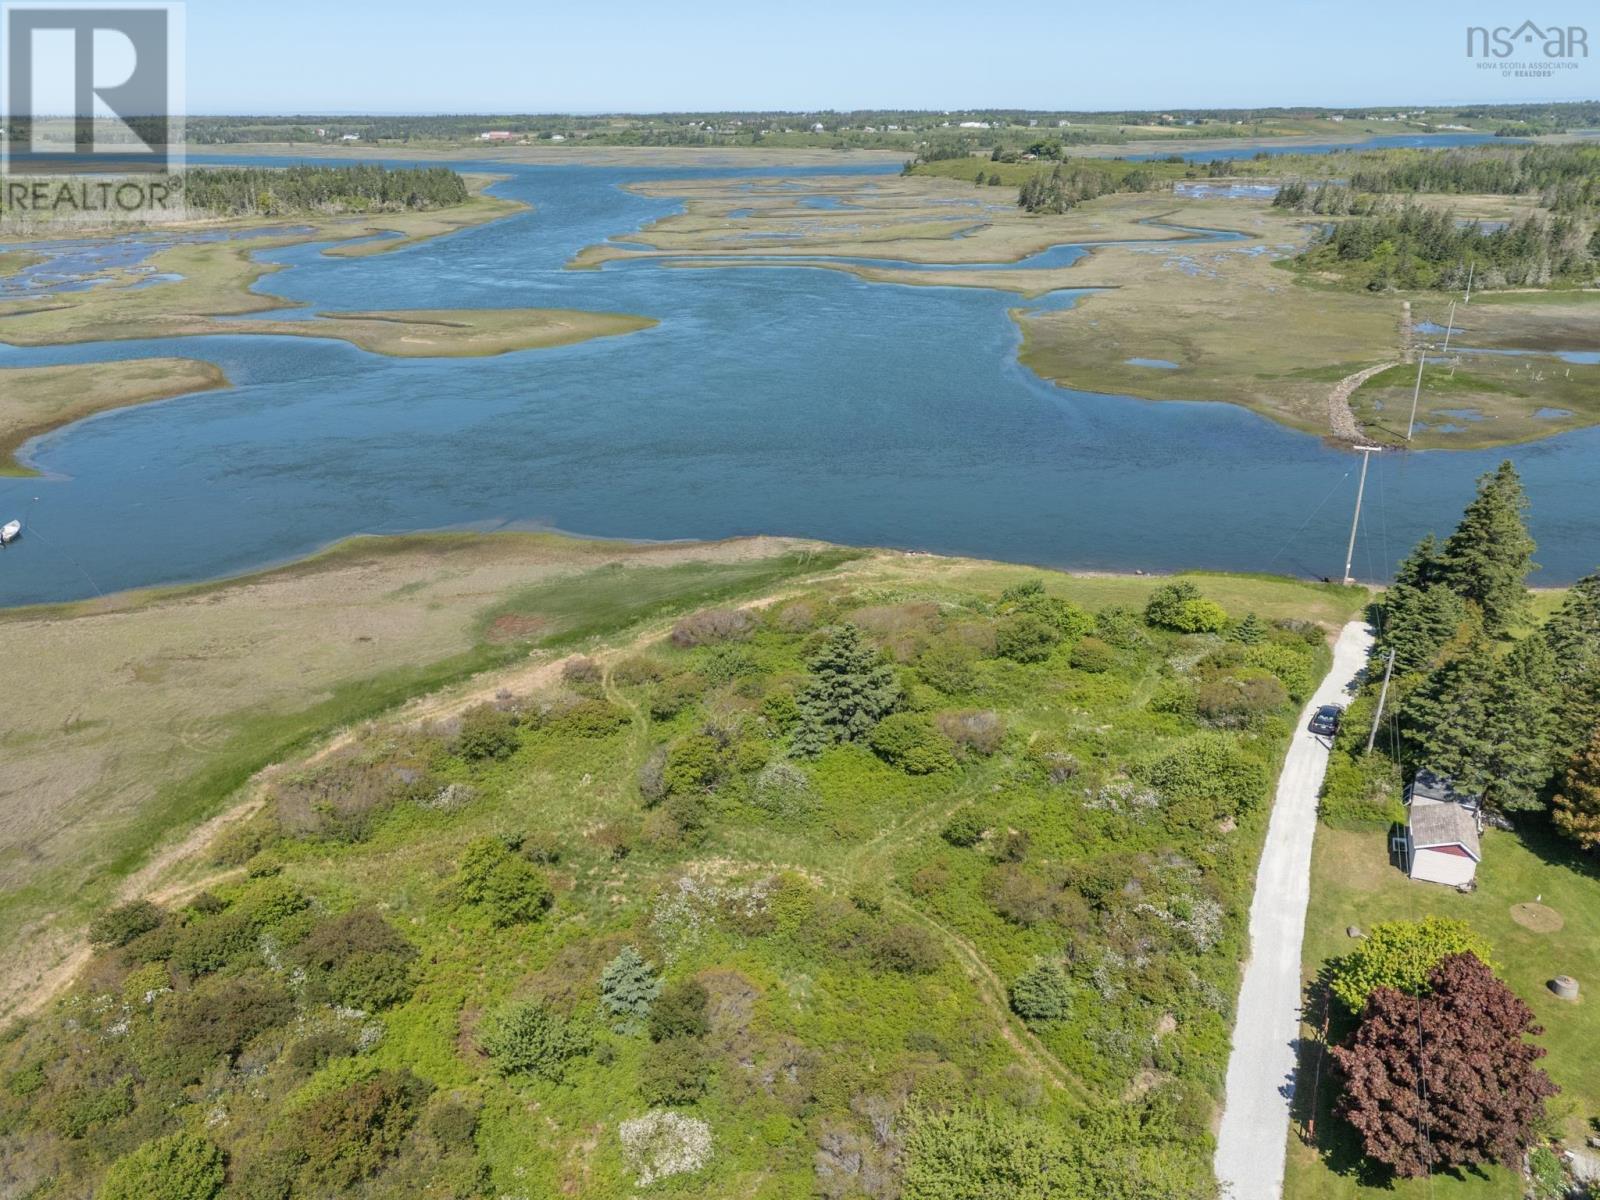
(1253,1139)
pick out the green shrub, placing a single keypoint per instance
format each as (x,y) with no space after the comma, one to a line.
(180,1167)
(1401,955)
(671,696)
(1067,619)
(780,710)
(1211,767)
(947,666)
(1093,655)
(1293,664)
(1200,616)
(1363,789)
(680,1012)
(1120,627)
(1234,702)
(319,1049)
(508,888)
(965,828)
(724,664)
(208,944)
(242,841)
(357,959)
(1044,993)
(487,732)
(637,669)
(695,764)
(909,742)
(591,719)
(453,1124)
(1026,638)
(1018,895)
(783,790)
(904,948)
(675,1071)
(216,1019)
(346,1135)
(1049,754)
(526,1038)
(119,926)
(1164,609)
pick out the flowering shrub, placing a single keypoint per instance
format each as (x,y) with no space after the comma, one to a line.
(663,1143)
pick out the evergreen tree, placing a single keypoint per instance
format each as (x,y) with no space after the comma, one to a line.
(1577,805)
(1486,722)
(1249,632)
(1418,623)
(628,987)
(1573,635)
(850,690)
(1488,558)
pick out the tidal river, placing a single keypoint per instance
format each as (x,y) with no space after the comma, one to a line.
(786,401)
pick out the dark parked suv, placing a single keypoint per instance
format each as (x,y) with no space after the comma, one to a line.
(1326,720)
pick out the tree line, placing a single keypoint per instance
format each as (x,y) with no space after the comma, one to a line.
(1564,178)
(263,191)
(1507,711)
(1411,246)
(1069,185)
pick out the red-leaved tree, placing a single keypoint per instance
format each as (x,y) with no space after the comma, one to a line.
(1444,1079)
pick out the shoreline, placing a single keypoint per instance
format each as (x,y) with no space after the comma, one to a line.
(445,540)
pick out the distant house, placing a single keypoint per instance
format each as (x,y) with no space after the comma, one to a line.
(496,135)
(350,137)
(1441,840)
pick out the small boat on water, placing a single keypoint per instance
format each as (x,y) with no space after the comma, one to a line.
(10,532)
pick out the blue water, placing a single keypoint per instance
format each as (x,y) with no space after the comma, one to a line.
(1164,364)
(788,400)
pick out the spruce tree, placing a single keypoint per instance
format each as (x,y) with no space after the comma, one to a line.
(850,690)
(1418,623)
(1573,635)
(1577,805)
(628,987)
(1486,723)
(1488,558)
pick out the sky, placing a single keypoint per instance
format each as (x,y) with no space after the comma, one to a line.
(407,56)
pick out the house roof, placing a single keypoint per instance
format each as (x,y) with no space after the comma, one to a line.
(1429,785)
(1440,825)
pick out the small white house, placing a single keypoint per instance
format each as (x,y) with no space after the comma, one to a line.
(1441,842)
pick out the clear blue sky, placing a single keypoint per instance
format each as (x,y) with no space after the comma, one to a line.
(279,56)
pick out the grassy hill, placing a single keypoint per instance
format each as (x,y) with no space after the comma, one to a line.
(997,929)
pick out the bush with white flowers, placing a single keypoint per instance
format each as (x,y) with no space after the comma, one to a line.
(663,1143)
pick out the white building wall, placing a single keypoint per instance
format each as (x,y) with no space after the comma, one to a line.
(1450,869)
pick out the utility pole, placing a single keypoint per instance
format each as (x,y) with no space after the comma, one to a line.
(1450,328)
(1473,266)
(1383,696)
(1416,394)
(1361,490)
